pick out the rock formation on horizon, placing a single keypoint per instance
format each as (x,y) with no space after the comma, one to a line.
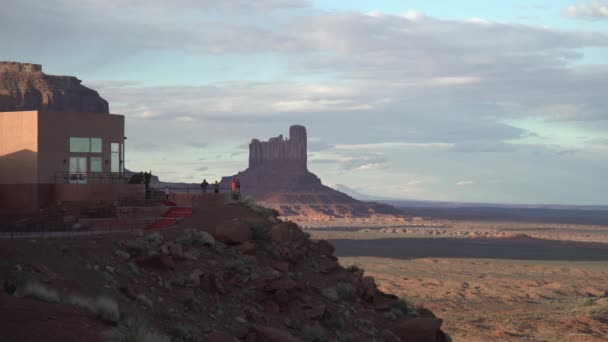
(23,86)
(278,176)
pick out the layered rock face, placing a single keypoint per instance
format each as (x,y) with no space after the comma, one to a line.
(24,86)
(280,153)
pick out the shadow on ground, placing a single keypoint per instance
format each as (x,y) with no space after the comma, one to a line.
(527,249)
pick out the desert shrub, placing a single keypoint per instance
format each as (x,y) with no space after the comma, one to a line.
(81,302)
(314,333)
(154,238)
(38,291)
(219,248)
(587,302)
(257,227)
(9,287)
(134,330)
(193,237)
(106,308)
(144,300)
(353,268)
(346,291)
(239,265)
(185,332)
(334,323)
(258,209)
(402,305)
(599,313)
(394,314)
(345,337)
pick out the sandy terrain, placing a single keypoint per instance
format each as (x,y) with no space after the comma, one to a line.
(486,279)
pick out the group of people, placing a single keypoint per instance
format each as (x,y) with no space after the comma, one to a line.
(205,185)
(235,187)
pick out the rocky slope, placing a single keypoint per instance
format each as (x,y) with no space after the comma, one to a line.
(228,273)
(24,86)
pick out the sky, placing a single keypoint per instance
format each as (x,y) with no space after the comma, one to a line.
(472,102)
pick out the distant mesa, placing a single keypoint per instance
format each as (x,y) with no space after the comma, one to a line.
(23,86)
(278,176)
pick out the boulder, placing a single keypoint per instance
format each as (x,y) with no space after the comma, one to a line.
(286,232)
(268,334)
(233,232)
(195,277)
(213,283)
(325,248)
(419,329)
(220,336)
(246,248)
(157,261)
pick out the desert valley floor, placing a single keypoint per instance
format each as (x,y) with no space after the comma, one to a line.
(489,281)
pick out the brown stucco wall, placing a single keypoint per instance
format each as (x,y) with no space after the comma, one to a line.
(55,131)
(18,147)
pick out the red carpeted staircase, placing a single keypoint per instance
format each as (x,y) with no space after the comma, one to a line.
(171,216)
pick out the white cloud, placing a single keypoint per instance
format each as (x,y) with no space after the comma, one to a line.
(464,182)
(413,15)
(593,10)
(370,166)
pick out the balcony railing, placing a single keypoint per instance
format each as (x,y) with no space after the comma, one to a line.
(91,178)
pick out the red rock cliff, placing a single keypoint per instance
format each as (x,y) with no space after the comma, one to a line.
(23,86)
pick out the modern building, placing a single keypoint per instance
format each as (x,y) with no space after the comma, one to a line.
(49,157)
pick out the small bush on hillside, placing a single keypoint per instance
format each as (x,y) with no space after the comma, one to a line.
(334,323)
(345,337)
(314,333)
(144,300)
(134,330)
(193,237)
(40,292)
(599,313)
(81,302)
(9,287)
(353,268)
(154,238)
(346,291)
(257,227)
(258,209)
(185,332)
(106,309)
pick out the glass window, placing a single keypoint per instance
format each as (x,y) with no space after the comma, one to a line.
(96,165)
(80,144)
(115,162)
(96,145)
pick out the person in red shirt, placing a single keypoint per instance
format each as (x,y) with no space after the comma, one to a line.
(233,187)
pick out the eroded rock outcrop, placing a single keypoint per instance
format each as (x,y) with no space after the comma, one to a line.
(278,176)
(278,152)
(23,86)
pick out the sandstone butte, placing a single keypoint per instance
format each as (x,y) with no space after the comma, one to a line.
(23,86)
(278,176)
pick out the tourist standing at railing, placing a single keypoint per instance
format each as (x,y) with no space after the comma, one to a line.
(204,186)
(167,193)
(216,188)
(233,188)
(238,190)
